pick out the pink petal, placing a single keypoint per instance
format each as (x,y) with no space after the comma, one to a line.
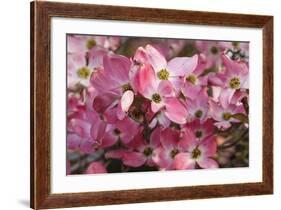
(105,82)
(175,110)
(81,127)
(119,112)
(208,146)
(117,67)
(207,163)
(155,107)
(145,81)
(180,66)
(151,56)
(155,137)
(216,111)
(95,57)
(127,100)
(169,138)
(138,143)
(191,91)
(108,140)
(163,120)
(183,161)
(73,141)
(87,147)
(188,140)
(165,88)
(96,168)
(226,96)
(134,159)
(104,101)
(75,61)
(222,125)
(98,129)
(162,158)
(110,115)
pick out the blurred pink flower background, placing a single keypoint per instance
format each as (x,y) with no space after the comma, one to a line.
(148,104)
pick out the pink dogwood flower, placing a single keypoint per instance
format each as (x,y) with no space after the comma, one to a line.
(199,107)
(114,81)
(171,71)
(171,145)
(141,152)
(81,66)
(194,81)
(83,44)
(222,113)
(198,153)
(85,133)
(123,130)
(201,129)
(161,94)
(212,51)
(233,78)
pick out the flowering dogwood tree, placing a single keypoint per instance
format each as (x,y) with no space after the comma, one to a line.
(139,104)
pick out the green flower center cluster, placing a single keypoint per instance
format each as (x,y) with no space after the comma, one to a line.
(83,72)
(196,153)
(91,43)
(163,74)
(234,83)
(156,98)
(148,151)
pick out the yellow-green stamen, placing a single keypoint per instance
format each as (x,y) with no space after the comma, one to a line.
(163,74)
(83,72)
(174,152)
(91,43)
(226,116)
(196,153)
(234,83)
(198,113)
(156,98)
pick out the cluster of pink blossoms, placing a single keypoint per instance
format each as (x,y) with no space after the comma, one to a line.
(152,109)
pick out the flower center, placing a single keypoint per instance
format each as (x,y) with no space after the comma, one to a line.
(83,72)
(234,83)
(156,98)
(163,74)
(226,116)
(198,113)
(214,50)
(148,151)
(117,132)
(174,152)
(196,153)
(198,134)
(192,79)
(126,87)
(91,43)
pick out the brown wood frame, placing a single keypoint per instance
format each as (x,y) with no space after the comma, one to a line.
(41,14)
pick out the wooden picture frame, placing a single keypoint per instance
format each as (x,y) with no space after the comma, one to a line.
(41,14)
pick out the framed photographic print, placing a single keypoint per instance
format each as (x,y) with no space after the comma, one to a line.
(141,105)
